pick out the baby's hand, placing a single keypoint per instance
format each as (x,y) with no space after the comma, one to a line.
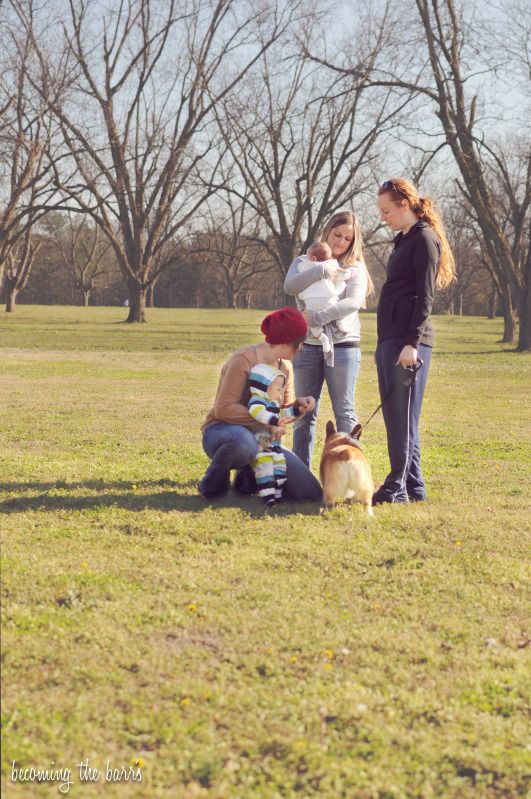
(276,432)
(335,272)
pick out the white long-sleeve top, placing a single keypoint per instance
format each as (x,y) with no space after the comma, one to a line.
(349,301)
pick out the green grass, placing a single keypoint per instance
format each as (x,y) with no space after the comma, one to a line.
(240,655)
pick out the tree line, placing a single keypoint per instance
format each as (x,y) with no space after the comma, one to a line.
(184,153)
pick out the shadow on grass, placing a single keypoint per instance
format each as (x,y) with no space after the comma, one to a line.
(164,500)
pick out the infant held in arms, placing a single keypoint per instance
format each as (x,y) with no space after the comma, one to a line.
(323,293)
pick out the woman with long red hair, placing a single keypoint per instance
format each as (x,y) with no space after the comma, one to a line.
(420,261)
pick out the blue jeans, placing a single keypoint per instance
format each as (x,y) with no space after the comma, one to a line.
(232,446)
(401,411)
(311,371)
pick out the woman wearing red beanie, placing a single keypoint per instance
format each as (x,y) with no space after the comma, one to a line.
(229,429)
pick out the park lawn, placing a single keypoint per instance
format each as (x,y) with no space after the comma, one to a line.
(247,655)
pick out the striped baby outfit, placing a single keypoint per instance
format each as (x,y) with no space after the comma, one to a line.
(270,464)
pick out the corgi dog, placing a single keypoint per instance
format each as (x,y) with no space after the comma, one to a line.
(345,472)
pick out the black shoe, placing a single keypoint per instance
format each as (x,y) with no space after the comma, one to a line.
(270,502)
(215,483)
(382,496)
(416,492)
(245,481)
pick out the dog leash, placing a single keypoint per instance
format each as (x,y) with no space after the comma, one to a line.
(407,382)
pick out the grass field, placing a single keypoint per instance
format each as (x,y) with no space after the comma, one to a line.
(240,655)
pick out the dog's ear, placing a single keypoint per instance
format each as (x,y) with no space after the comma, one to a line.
(356,432)
(330,429)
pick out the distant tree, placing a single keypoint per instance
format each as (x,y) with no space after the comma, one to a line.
(84,252)
(230,246)
(472,286)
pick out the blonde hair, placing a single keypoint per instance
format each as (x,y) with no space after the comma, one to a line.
(401,190)
(355,249)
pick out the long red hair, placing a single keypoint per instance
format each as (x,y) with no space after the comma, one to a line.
(401,190)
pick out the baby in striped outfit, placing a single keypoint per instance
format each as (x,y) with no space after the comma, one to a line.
(266,384)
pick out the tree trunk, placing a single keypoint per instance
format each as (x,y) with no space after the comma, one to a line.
(493,303)
(509,318)
(509,323)
(137,303)
(150,296)
(86,297)
(524,335)
(231,298)
(11,291)
(287,299)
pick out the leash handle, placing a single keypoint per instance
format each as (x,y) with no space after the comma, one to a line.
(414,367)
(410,380)
(412,370)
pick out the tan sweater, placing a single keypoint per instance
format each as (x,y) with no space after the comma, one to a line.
(233,395)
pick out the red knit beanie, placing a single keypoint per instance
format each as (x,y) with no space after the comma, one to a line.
(285,325)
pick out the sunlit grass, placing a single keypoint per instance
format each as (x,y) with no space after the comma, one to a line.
(241,655)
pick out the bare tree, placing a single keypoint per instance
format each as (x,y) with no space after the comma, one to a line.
(83,251)
(18,263)
(505,241)
(306,148)
(25,173)
(473,272)
(133,93)
(230,244)
(449,46)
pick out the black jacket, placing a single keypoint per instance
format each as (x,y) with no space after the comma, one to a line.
(406,298)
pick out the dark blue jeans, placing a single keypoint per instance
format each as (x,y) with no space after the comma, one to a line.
(401,411)
(232,446)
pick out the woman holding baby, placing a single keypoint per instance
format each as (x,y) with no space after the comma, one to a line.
(331,351)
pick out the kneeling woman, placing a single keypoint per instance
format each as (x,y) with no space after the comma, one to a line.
(421,259)
(229,430)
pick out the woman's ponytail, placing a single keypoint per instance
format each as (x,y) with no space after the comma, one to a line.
(446,271)
(425,208)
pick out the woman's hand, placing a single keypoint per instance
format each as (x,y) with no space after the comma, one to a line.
(304,404)
(408,356)
(285,421)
